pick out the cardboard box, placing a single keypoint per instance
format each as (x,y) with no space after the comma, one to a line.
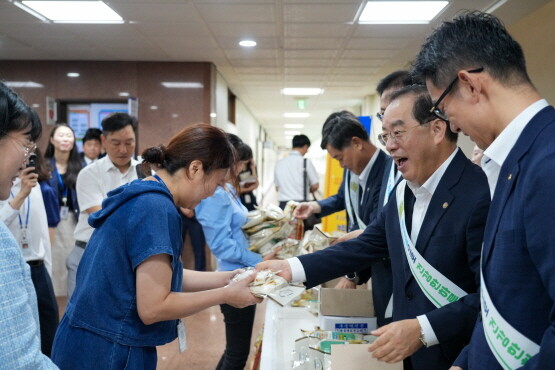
(346,302)
(357,357)
(347,324)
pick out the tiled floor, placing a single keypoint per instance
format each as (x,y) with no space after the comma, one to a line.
(205,339)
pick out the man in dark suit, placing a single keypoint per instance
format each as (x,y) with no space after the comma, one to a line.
(476,73)
(346,140)
(432,229)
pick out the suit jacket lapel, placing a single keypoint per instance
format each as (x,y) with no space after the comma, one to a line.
(441,200)
(508,174)
(371,183)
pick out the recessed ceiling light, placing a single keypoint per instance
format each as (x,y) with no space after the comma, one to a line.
(247,43)
(302,91)
(296,115)
(293,125)
(35,105)
(123,93)
(73,74)
(153,107)
(289,133)
(213,115)
(397,12)
(72,11)
(175,115)
(183,85)
(23,84)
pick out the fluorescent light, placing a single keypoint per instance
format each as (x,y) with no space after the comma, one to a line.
(302,91)
(247,43)
(35,105)
(23,84)
(74,11)
(396,12)
(31,11)
(153,107)
(183,85)
(73,74)
(123,93)
(213,115)
(293,125)
(175,115)
(289,133)
(296,115)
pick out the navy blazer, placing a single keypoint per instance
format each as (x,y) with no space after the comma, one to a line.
(369,204)
(519,246)
(380,270)
(450,239)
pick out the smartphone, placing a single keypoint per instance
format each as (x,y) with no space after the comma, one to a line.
(32,162)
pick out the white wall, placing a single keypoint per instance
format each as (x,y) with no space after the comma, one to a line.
(250,131)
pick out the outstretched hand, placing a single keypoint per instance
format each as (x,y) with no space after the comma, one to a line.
(239,295)
(277,265)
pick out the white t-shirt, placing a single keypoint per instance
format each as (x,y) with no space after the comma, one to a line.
(288,177)
(93,184)
(37,226)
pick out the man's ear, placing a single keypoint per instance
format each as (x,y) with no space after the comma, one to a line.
(438,128)
(471,85)
(356,143)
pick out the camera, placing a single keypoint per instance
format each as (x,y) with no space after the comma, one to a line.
(32,162)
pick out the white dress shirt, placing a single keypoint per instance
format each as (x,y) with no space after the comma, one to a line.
(37,228)
(94,182)
(288,177)
(423,195)
(498,151)
(363,177)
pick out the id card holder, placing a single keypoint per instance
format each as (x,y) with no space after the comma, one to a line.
(64,212)
(182,336)
(24,238)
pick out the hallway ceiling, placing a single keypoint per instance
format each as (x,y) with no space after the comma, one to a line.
(301,43)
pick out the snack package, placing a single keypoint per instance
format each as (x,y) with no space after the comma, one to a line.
(254,218)
(265,283)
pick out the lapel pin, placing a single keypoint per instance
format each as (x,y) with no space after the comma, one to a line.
(510,176)
(445,205)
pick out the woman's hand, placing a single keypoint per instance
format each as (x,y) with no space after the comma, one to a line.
(29,180)
(238,294)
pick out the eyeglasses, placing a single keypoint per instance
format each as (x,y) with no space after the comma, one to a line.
(396,135)
(28,148)
(435,108)
(380,116)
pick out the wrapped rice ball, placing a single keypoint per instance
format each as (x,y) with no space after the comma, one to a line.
(266,281)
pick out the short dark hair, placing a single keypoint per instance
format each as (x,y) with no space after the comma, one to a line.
(15,115)
(116,121)
(422,106)
(92,134)
(472,40)
(340,128)
(395,79)
(244,152)
(300,140)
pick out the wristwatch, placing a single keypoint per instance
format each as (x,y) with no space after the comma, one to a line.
(353,276)
(422,338)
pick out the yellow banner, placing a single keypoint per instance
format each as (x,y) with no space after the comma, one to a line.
(334,175)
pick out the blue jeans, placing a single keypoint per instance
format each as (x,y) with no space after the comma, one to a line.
(78,348)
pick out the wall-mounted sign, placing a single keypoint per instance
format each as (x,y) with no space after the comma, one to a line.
(51,111)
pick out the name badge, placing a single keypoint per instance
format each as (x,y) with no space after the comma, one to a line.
(182,336)
(24,239)
(64,212)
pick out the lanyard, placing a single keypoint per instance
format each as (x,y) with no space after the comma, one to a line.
(63,186)
(160,180)
(28,211)
(352,207)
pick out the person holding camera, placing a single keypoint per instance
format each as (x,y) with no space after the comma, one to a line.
(24,214)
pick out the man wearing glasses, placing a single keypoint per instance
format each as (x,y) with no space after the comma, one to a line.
(432,229)
(477,73)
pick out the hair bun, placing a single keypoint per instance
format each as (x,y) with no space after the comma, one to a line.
(155,155)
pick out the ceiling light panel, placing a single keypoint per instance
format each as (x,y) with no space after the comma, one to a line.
(183,85)
(23,84)
(74,11)
(398,12)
